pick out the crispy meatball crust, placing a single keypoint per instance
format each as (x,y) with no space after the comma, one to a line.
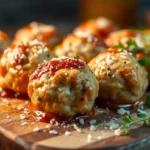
(121,78)
(85,46)
(19,61)
(68,91)
(100,26)
(39,31)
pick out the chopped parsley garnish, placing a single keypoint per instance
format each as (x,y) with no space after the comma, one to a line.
(134,48)
(142,117)
(144,61)
(128,121)
(131,46)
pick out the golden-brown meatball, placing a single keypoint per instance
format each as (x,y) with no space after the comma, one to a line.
(4,41)
(122,80)
(123,36)
(19,61)
(85,46)
(39,31)
(63,86)
(100,26)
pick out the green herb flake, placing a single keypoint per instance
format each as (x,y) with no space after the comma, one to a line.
(131,45)
(119,46)
(125,128)
(126,119)
(131,42)
(142,115)
(144,61)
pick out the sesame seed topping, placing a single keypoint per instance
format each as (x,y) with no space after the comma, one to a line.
(36,129)
(76,128)
(53,132)
(67,133)
(93,128)
(24,123)
(48,126)
(22,116)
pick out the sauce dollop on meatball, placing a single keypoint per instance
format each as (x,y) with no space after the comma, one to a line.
(56,65)
(19,61)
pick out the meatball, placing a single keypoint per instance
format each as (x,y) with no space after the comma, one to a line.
(19,61)
(122,80)
(100,26)
(85,46)
(4,41)
(123,36)
(39,31)
(63,86)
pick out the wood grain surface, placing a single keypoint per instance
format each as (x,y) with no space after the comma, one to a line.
(18,133)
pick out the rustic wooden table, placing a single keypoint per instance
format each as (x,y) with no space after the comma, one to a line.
(19,134)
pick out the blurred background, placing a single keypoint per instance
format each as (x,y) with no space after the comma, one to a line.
(66,14)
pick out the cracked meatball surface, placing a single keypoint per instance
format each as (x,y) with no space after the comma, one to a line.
(122,79)
(19,61)
(64,86)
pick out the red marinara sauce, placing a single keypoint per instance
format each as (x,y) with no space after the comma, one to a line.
(21,51)
(39,114)
(56,64)
(6,93)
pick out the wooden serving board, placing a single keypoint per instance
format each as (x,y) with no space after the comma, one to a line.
(17,133)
